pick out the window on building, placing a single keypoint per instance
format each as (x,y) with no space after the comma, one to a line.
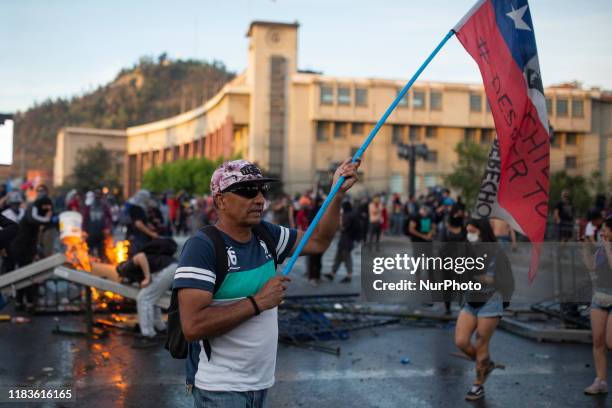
(361,96)
(322,131)
(186,150)
(570,139)
(414,133)
(486,136)
(357,128)
(549,108)
(177,153)
(556,140)
(327,95)
(435,100)
(418,100)
(404,101)
(340,130)
(469,135)
(487,105)
(561,107)
(475,102)
(344,96)
(577,108)
(431,132)
(570,162)
(432,156)
(354,151)
(430,180)
(397,136)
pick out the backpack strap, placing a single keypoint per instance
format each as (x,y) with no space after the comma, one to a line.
(221,267)
(261,232)
(221,264)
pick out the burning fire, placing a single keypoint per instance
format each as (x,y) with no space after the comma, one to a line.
(116,253)
(77,253)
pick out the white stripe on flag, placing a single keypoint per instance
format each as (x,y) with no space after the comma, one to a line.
(188,275)
(469,14)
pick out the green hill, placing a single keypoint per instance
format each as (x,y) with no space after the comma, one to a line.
(152,89)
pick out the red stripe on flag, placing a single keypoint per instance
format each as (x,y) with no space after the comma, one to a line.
(523,140)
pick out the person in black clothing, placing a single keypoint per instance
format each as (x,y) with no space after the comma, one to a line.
(350,229)
(454,235)
(563,216)
(421,230)
(97,223)
(139,232)
(315,261)
(8,232)
(364,219)
(24,248)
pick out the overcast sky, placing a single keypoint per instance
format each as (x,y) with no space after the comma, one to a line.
(65,48)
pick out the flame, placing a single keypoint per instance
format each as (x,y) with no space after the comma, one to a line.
(77,253)
(116,253)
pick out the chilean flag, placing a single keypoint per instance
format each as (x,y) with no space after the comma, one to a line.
(499,35)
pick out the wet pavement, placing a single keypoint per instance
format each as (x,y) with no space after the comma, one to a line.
(368,373)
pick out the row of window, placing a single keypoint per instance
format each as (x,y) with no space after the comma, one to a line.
(339,130)
(417,99)
(486,136)
(344,97)
(561,107)
(400,133)
(570,139)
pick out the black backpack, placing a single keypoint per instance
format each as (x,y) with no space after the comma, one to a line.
(176,343)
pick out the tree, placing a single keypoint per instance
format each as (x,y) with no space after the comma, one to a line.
(95,167)
(192,176)
(468,172)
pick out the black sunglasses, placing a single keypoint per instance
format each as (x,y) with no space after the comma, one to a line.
(249,191)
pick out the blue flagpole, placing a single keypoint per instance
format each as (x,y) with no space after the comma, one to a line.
(360,152)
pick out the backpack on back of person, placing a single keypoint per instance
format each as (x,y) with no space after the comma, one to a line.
(176,343)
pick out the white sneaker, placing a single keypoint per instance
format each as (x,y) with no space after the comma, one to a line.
(599,386)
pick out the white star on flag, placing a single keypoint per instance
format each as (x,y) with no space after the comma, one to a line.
(517,17)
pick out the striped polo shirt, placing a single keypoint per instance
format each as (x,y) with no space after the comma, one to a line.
(243,359)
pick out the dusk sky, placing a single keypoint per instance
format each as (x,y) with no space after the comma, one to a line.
(66,48)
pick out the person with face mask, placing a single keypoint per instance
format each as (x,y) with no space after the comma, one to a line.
(24,248)
(483,309)
(14,211)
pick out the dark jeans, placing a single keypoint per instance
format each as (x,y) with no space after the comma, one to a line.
(314,266)
(343,255)
(228,399)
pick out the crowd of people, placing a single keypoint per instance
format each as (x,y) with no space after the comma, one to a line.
(149,222)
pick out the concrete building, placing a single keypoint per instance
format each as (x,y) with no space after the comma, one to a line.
(71,140)
(297,124)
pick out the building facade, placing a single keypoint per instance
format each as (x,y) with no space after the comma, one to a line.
(297,125)
(71,140)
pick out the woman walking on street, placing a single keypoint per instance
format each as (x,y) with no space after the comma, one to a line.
(483,309)
(599,265)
